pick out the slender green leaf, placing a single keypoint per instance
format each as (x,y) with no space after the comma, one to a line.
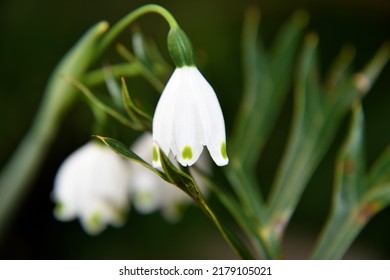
(125,152)
(378,183)
(266,81)
(181,179)
(345,220)
(97,77)
(100,105)
(242,138)
(255,67)
(317,117)
(380,172)
(364,80)
(144,70)
(112,86)
(148,54)
(302,153)
(135,113)
(140,48)
(350,166)
(340,69)
(283,52)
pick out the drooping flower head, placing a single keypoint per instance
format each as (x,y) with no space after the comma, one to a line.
(92,185)
(188,115)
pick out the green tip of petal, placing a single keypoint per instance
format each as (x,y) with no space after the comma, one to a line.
(223,150)
(58,209)
(144,198)
(119,217)
(187,153)
(155,154)
(95,223)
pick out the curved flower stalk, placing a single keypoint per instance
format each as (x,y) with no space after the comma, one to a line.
(92,185)
(150,193)
(188,115)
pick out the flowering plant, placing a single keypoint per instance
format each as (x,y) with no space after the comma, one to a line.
(188,117)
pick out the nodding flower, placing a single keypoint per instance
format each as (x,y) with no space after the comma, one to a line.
(92,185)
(188,115)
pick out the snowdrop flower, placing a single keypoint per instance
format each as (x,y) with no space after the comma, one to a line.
(92,185)
(150,193)
(188,115)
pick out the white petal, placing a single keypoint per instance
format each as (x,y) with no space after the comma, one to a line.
(144,183)
(150,192)
(110,176)
(92,175)
(187,128)
(95,216)
(146,198)
(211,119)
(67,184)
(189,116)
(164,114)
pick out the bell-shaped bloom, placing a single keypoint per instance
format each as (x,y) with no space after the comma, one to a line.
(92,185)
(188,116)
(150,193)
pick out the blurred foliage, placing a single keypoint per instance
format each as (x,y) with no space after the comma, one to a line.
(32,45)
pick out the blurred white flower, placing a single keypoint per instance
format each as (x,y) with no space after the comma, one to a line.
(187,117)
(92,185)
(150,193)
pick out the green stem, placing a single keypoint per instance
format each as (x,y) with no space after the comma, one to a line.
(249,226)
(118,28)
(224,234)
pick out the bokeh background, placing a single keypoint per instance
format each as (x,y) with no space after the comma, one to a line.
(35,34)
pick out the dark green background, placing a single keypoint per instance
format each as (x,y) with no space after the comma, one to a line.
(36,33)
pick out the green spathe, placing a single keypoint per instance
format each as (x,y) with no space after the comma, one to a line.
(180,48)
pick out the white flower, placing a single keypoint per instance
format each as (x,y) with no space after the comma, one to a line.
(92,185)
(150,193)
(188,116)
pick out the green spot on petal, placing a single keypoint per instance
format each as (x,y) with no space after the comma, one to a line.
(187,153)
(155,154)
(119,217)
(223,150)
(95,222)
(144,198)
(59,208)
